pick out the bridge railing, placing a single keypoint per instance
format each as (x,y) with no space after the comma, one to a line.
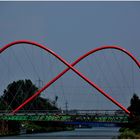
(69,112)
(31,112)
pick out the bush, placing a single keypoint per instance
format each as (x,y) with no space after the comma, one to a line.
(128,134)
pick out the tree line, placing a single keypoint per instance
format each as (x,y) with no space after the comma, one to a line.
(18,91)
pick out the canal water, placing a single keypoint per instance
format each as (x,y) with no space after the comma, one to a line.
(82,133)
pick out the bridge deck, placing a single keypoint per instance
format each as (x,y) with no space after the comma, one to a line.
(65,117)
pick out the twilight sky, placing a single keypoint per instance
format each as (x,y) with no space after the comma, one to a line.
(71,29)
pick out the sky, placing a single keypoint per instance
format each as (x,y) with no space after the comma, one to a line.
(72,29)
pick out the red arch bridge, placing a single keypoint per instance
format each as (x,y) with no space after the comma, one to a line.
(93,117)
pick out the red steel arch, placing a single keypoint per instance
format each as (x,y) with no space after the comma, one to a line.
(70,66)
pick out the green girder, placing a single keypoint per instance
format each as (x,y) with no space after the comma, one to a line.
(35,118)
(117,119)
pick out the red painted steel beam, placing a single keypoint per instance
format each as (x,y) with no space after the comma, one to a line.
(70,66)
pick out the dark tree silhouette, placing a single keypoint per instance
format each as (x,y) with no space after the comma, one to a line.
(17,92)
(135,105)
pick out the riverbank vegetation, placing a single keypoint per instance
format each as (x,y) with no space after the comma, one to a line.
(132,131)
(39,127)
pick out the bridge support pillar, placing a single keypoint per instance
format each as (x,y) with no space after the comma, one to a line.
(9,127)
(4,128)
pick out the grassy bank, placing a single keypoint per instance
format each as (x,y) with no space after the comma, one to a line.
(128,133)
(38,127)
(132,131)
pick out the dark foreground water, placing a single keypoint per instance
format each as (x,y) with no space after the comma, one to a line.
(84,133)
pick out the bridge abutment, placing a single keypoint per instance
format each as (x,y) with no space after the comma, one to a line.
(9,128)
